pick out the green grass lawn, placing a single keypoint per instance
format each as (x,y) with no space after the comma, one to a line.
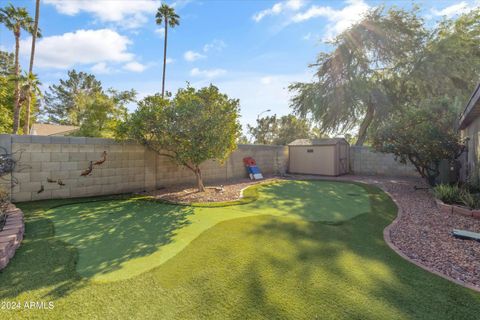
(301,250)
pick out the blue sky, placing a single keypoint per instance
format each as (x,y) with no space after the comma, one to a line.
(252,50)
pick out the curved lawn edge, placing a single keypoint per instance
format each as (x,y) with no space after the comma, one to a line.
(248,194)
(388,240)
(388,228)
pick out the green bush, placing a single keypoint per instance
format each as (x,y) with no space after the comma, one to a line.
(470,200)
(473,184)
(448,193)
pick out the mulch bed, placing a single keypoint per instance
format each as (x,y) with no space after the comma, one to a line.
(228,191)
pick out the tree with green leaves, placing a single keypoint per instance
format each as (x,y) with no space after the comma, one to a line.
(7,88)
(16,19)
(166,15)
(191,128)
(100,114)
(422,135)
(388,61)
(264,131)
(60,99)
(7,64)
(280,131)
(30,93)
(291,128)
(81,101)
(26,125)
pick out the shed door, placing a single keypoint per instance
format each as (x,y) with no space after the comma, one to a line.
(312,160)
(343,161)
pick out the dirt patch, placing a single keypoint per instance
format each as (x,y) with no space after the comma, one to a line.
(219,192)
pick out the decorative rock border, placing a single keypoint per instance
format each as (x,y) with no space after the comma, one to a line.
(11,235)
(388,240)
(461,210)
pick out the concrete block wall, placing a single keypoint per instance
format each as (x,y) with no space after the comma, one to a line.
(42,158)
(365,161)
(129,167)
(270,159)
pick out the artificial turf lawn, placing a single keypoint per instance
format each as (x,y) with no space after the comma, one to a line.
(121,239)
(261,266)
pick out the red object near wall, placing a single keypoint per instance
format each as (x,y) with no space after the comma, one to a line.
(249,162)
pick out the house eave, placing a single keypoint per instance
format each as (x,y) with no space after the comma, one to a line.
(472,110)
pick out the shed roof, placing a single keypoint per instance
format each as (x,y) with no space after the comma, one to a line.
(317,142)
(472,109)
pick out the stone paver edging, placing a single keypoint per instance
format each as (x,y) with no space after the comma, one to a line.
(11,235)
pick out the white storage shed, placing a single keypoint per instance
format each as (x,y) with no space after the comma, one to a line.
(328,157)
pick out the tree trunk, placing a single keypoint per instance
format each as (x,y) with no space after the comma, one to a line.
(362,132)
(198,174)
(164,56)
(16,107)
(26,126)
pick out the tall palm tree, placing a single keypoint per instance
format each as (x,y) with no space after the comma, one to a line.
(26,125)
(16,19)
(29,86)
(168,17)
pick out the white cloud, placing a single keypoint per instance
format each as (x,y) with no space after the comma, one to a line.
(101,68)
(170,60)
(278,8)
(339,20)
(266,80)
(208,73)
(80,47)
(453,10)
(192,56)
(128,14)
(215,45)
(160,32)
(134,66)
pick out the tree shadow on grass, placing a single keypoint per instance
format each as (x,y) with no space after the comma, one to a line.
(274,267)
(40,262)
(314,200)
(365,268)
(110,233)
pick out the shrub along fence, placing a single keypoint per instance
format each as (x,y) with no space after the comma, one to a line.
(53,167)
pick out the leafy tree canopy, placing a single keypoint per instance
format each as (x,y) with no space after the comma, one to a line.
(281,131)
(7,63)
(81,101)
(60,99)
(388,61)
(191,128)
(7,88)
(422,135)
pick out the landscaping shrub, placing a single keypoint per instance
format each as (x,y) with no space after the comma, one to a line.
(450,194)
(473,184)
(4,199)
(470,200)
